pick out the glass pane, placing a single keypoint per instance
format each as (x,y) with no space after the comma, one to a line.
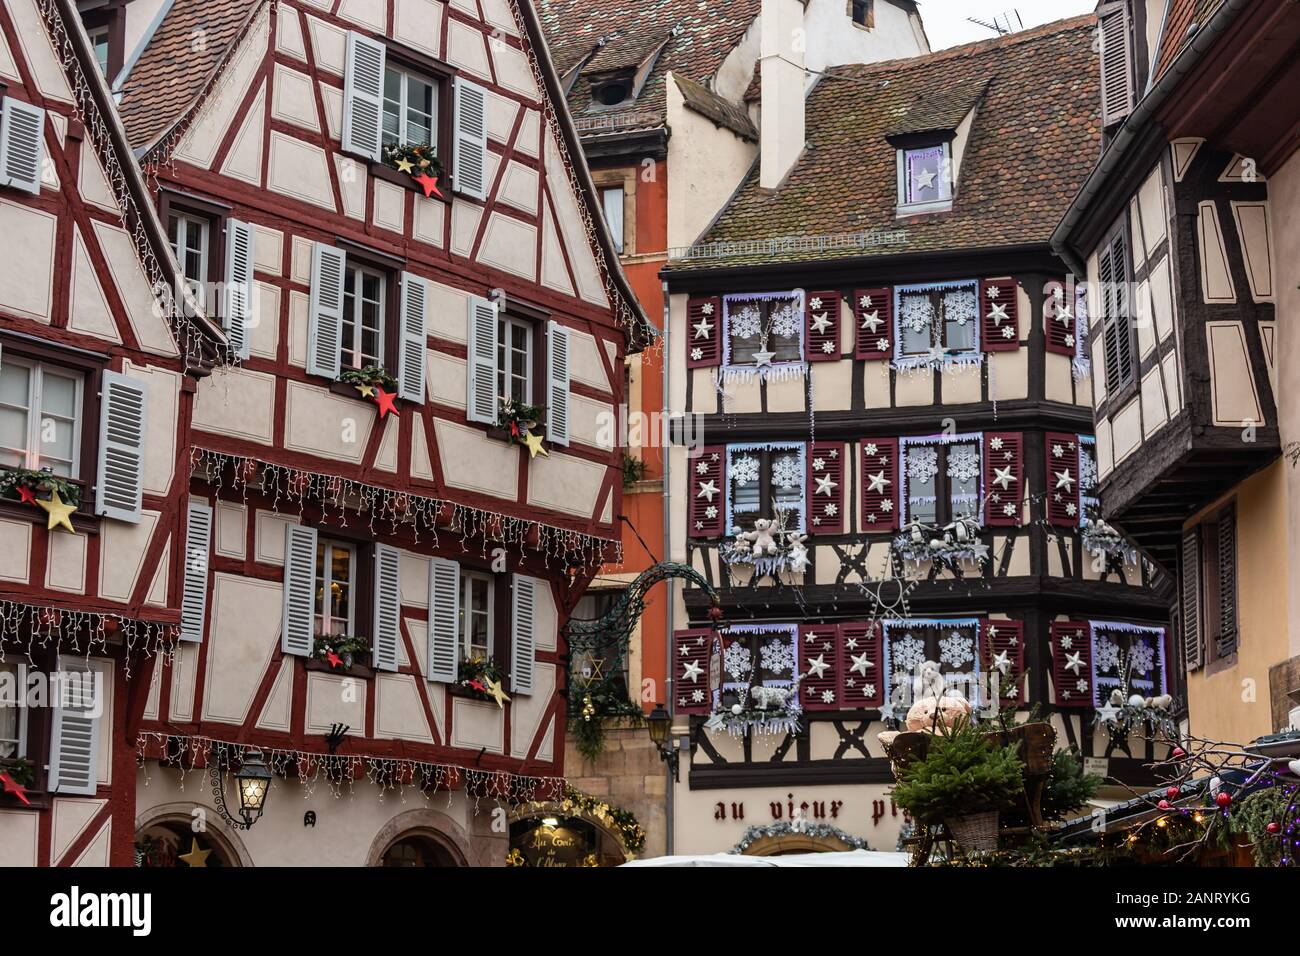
(58,395)
(926,180)
(56,442)
(478,598)
(963,479)
(916,324)
(320,577)
(173,229)
(612,200)
(922,475)
(9,713)
(13,430)
(15,384)
(392,85)
(419,95)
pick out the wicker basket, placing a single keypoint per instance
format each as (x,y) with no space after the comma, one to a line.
(977,833)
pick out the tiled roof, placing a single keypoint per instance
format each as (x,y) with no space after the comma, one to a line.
(1178,30)
(723,112)
(174,69)
(705,34)
(1035,137)
(940,109)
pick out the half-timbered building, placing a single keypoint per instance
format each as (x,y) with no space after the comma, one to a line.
(1187,233)
(888,457)
(402,472)
(99,365)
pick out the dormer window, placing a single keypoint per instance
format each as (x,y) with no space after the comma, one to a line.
(105,24)
(612,93)
(924,179)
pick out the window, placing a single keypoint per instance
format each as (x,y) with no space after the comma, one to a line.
(938,318)
(1089,504)
(925,179)
(515,359)
(953,644)
(410,108)
(765,329)
(13,716)
(40,417)
(766,482)
(336,570)
(106,28)
(189,238)
(611,201)
(860,12)
(362,336)
(99,42)
(602,666)
(1117,329)
(476,610)
(1217,572)
(1129,657)
(943,480)
(759,662)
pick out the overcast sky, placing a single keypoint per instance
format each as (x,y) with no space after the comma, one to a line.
(946,23)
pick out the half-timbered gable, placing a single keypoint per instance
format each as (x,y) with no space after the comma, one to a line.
(98,365)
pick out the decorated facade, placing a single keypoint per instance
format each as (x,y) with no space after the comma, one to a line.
(890,472)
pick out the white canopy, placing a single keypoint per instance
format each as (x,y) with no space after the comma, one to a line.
(849,858)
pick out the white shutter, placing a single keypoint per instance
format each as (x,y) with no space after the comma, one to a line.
(1116,63)
(325,324)
(296,635)
(363,96)
(120,480)
(388,607)
(194,597)
(481,370)
(444,619)
(74,731)
(523,642)
(414,338)
(238,290)
(557,384)
(22,145)
(469,163)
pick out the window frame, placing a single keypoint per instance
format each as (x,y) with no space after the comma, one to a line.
(112,18)
(904,207)
(765,301)
(506,322)
(728,692)
(938,327)
(767,492)
(172,202)
(415,62)
(463,646)
(35,378)
(37,725)
(21,724)
(627,179)
(360,269)
(868,21)
(319,583)
(406,73)
(943,482)
(391,268)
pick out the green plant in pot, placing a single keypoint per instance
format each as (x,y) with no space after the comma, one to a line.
(965,780)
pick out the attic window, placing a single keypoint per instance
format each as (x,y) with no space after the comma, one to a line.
(924,179)
(861,14)
(612,92)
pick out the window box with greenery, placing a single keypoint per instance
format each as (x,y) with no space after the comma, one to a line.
(475,676)
(341,653)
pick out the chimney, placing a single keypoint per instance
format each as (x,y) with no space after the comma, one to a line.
(781,50)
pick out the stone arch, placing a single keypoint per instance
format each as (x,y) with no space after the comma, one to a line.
(431,824)
(216,829)
(531,811)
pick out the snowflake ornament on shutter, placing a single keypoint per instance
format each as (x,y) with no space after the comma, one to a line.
(880,484)
(1000,311)
(822,335)
(873,323)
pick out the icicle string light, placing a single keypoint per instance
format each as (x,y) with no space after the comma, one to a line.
(31,628)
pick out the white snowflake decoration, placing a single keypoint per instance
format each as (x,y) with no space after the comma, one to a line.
(697,696)
(711,512)
(1067,642)
(1087,470)
(744,470)
(1107,655)
(697,354)
(737,661)
(745,322)
(786,320)
(776,656)
(917,312)
(828,697)
(1081,685)
(960,305)
(786,473)
(956,650)
(1143,657)
(707,308)
(702,468)
(964,463)
(922,464)
(908,652)
(871,448)
(869,690)
(831,510)
(819,464)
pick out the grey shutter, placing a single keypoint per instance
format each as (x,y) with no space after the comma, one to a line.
(469,164)
(238,289)
(1116,63)
(363,96)
(75,731)
(523,642)
(481,362)
(1190,607)
(296,628)
(194,596)
(414,338)
(22,145)
(557,384)
(388,607)
(1227,545)
(444,620)
(119,483)
(1112,268)
(325,323)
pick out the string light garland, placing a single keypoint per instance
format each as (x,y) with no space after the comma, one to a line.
(33,627)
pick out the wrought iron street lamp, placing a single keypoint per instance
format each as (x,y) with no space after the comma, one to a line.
(660,724)
(252,781)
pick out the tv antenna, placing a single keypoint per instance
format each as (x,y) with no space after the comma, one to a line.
(1001,23)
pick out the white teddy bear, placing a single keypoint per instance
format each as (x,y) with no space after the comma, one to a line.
(762,539)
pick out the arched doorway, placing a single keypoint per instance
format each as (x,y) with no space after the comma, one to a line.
(782,839)
(418,849)
(172,842)
(551,835)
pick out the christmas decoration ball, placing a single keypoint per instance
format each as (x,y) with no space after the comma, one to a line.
(715,613)
(1172,792)
(1274,828)
(736,709)
(949,710)
(1223,800)
(1137,700)
(1294,767)
(1178,753)
(1163,804)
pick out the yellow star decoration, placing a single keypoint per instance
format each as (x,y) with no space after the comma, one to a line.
(195,857)
(593,667)
(497,691)
(367,391)
(405,165)
(58,510)
(534,443)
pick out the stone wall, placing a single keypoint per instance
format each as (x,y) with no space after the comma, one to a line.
(628,775)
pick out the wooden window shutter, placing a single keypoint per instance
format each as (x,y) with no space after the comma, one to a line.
(414,337)
(820,644)
(325,322)
(691,649)
(363,96)
(822,315)
(481,371)
(1071,664)
(75,731)
(469,168)
(1116,329)
(119,485)
(1116,63)
(864,665)
(708,488)
(1190,605)
(22,145)
(1062,454)
(825,488)
(998,637)
(1004,478)
(1060,318)
(523,638)
(237,309)
(1000,315)
(873,324)
(388,607)
(704,332)
(297,633)
(557,383)
(879,484)
(194,596)
(1227,570)
(444,620)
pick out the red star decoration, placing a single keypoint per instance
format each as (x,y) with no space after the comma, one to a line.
(477,686)
(26,495)
(385,402)
(429,184)
(334,659)
(13,786)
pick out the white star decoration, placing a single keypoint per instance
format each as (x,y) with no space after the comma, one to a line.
(707,490)
(860,664)
(998,313)
(1074,662)
(1004,477)
(821,322)
(763,358)
(1002,662)
(871,320)
(703,329)
(925,179)
(825,486)
(818,666)
(878,482)
(1063,480)
(692,671)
